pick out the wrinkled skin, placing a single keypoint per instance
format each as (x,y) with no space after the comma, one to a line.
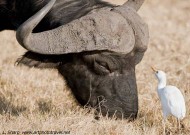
(100,79)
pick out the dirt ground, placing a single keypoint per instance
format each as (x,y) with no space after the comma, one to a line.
(39,100)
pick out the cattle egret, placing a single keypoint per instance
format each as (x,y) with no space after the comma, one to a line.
(171,98)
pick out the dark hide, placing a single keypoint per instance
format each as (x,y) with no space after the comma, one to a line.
(103,80)
(14,12)
(108,83)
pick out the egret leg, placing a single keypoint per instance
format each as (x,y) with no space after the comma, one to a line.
(164,126)
(179,125)
(164,121)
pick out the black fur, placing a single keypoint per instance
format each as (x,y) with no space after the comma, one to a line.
(107,84)
(15,12)
(103,80)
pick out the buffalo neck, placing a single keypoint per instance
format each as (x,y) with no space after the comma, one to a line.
(63,12)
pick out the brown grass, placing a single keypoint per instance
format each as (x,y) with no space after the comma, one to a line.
(33,99)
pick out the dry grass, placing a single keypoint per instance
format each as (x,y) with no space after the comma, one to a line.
(33,99)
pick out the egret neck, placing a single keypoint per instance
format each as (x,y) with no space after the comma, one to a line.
(161,83)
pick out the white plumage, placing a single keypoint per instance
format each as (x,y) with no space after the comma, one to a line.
(172,102)
(171,98)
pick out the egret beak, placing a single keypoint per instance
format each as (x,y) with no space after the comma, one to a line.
(154,69)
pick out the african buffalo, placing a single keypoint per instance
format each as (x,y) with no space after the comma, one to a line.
(94,45)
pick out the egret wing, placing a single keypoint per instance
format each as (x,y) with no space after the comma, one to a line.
(174,101)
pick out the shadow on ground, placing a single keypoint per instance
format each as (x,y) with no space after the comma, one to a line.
(7,107)
(45,106)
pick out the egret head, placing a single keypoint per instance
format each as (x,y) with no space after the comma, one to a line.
(160,75)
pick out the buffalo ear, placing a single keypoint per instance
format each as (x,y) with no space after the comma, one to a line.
(31,59)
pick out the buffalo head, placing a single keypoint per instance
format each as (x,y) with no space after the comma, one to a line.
(96,54)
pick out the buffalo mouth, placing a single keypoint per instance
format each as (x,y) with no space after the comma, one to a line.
(112,94)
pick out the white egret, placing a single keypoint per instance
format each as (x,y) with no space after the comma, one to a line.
(171,98)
